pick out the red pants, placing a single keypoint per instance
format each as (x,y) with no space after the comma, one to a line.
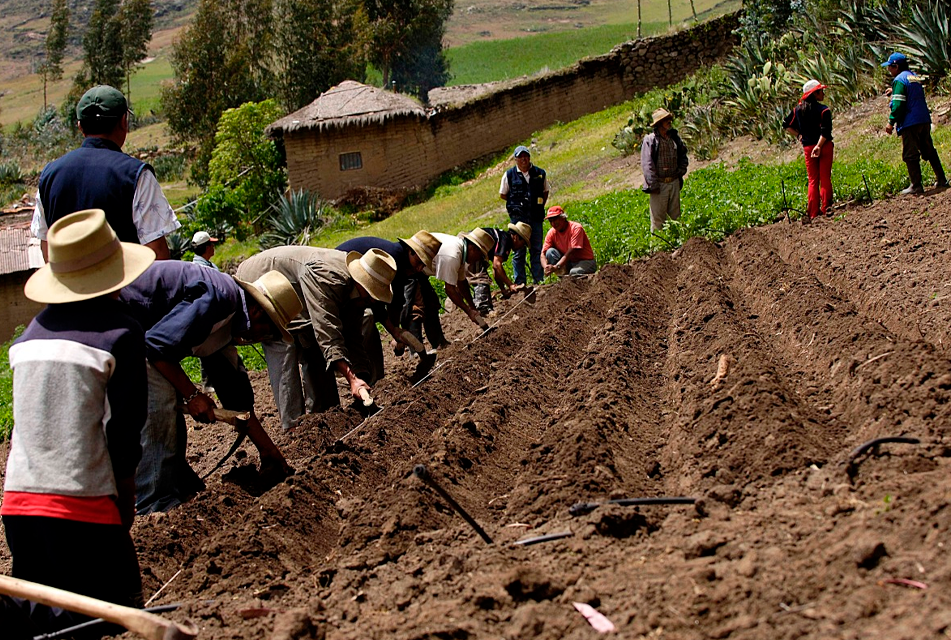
(819,171)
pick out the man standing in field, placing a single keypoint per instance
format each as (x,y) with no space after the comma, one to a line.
(664,163)
(98,175)
(911,119)
(525,191)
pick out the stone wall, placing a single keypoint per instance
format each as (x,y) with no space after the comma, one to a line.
(409,152)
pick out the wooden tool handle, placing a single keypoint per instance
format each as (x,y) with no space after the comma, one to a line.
(223,415)
(365,396)
(412,342)
(148,625)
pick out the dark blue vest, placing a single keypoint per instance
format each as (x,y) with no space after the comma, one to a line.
(97,175)
(524,202)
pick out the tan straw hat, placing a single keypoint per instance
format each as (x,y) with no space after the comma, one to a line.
(86,260)
(276,295)
(425,245)
(523,230)
(481,239)
(374,270)
(660,115)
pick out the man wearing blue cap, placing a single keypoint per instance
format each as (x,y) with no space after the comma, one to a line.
(98,175)
(525,191)
(911,119)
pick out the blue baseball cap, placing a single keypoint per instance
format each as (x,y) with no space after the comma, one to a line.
(895,58)
(519,150)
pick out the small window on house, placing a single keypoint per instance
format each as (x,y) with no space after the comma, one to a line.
(351,161)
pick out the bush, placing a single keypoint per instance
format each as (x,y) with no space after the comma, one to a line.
(296,220)
(10,173)
(169,167)
(6,386)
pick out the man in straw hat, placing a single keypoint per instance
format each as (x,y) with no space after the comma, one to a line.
(524,188)
(502,242)
(455,255)
(330,336)
(189,310)
(98,175)
(567,249)
(664,164)
(79,406)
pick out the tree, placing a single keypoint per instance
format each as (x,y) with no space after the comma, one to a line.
(102,47)
(136,19)
(56,38)
(221,62)
(316,47)
(405,37)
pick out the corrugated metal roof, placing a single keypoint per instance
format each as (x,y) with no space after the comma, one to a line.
(15,251)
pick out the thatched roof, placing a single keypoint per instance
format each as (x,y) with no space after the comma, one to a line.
(348,103)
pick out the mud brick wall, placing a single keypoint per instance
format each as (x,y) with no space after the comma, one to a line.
(15,309)
(409,152)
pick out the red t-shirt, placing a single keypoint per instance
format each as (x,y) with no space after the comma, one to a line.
(97,509)
(574,237)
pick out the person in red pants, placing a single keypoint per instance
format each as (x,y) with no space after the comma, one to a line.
(811,122)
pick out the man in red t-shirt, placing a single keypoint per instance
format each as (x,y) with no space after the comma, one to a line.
(567,249)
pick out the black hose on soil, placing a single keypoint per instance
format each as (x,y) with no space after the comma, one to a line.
(545,538)
(852,465)
(421,472)
(582,508)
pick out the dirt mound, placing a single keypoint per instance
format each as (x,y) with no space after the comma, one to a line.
(741,374)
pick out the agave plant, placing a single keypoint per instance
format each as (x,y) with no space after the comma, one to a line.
(10,173)
(926,35)
(295,220)
(178,244)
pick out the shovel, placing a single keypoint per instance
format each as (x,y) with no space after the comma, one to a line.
(148,625)
(238,420)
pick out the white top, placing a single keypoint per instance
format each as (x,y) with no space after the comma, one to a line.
(449,265)
(151,214)
(504,187)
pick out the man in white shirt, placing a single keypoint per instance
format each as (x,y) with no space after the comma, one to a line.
(449,265)
(98,175)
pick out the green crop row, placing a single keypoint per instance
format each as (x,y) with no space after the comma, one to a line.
(716,201)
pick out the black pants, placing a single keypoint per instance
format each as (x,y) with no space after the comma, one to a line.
(95,560)
(411,321)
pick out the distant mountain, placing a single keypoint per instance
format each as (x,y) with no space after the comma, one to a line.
(23,26)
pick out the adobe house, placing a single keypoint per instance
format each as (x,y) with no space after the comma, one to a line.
(20,256)
(353,136)
(356,136)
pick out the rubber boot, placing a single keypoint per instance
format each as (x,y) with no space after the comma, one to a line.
(914,174)
(941,181)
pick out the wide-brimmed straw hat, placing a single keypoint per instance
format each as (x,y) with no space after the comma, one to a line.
(276,295)
(810,88)
(523,230)
(425,246)
(86,260)
(660,115)
(374,270)
(480,238)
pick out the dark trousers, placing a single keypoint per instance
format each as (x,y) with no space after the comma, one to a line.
(916,143)
(95,560)
(534,249)
(427,317)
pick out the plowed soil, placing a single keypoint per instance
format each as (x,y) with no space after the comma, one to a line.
(742,374)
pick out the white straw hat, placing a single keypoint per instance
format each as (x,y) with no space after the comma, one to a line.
(276,295)
(86,260)
(481,239)
(523,230)
(425,245)
(374,270)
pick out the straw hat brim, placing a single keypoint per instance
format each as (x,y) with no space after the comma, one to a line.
(420,251)
(482,250)
(515,229)
(268,307)
(113,273)
(376,289)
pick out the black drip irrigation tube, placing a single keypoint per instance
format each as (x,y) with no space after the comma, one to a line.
(421,472)
(545,538)
(85,626)
(872,445)
(582,508)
